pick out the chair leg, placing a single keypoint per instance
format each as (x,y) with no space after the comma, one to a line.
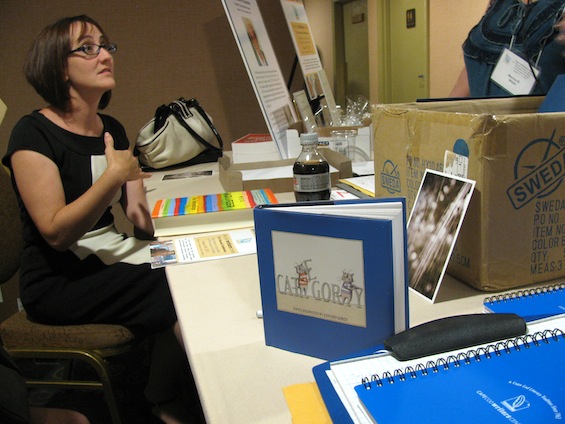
(101,366)
(92,358)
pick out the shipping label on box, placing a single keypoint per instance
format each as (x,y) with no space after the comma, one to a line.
(514,230)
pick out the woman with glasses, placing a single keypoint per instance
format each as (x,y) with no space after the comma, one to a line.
(69,165)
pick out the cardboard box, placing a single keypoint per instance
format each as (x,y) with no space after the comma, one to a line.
(232,178)
(514,231)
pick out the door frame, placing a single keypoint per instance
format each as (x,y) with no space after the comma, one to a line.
(380,53)
(340,66)
(383,52)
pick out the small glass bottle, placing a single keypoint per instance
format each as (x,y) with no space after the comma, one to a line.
(311,171)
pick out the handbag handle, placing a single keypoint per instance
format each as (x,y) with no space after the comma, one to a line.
(179,109)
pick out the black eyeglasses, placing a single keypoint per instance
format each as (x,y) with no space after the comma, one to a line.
(94,49)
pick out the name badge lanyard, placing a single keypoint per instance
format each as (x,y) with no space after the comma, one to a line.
(513,72)
(525,13)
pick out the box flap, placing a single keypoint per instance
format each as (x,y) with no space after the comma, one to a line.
(499,106)
(232,179)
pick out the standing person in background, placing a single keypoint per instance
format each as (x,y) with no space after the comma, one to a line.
(524,27)
(69,165)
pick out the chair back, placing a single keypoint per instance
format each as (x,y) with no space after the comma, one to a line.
(11,239)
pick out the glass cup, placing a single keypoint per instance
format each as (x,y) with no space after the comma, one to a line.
(343,141)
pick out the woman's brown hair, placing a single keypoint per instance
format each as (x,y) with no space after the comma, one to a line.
(46,62)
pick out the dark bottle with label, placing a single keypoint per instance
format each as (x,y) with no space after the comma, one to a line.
(311,172)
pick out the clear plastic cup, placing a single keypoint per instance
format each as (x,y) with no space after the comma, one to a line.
(343,141)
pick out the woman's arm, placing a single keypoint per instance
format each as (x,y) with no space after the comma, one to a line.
(41,189)
(134,204)
(461,87)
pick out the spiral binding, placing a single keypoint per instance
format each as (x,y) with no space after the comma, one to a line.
(464,358)
(538,291)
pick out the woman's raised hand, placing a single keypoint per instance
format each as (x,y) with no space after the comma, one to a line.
(122,162)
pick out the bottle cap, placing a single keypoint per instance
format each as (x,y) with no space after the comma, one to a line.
(308,138)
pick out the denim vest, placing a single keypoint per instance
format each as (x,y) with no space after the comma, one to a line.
(533,27)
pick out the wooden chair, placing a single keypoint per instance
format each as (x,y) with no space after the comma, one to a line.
(22,338)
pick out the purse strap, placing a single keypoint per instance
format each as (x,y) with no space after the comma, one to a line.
(181,110)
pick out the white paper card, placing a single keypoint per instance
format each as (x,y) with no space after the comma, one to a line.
(514,73)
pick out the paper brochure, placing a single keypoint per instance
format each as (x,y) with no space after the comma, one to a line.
(262,67)
(202,247)
(317,84)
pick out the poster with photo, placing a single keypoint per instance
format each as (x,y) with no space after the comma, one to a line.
(263,68)
(315,78)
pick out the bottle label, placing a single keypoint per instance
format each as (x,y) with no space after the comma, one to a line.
(312,182)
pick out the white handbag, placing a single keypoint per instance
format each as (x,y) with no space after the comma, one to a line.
(180,133)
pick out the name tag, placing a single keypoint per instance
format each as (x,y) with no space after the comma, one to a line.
(514,73)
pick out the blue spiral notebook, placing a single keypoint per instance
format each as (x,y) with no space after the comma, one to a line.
(530,304)
(517,380)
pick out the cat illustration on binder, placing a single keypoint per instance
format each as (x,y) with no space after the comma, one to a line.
(530,304)
(519,380)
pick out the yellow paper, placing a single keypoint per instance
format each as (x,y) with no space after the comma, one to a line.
(306,404)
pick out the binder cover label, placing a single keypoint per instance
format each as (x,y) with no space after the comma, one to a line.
(327,283)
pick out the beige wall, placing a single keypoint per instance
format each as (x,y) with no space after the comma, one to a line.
(171,49)
(167,49)
(449,21)
(320,17)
